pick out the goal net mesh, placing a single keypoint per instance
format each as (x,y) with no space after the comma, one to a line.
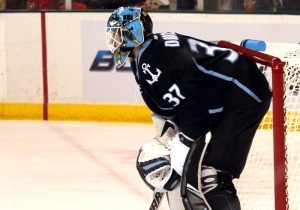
(256,184)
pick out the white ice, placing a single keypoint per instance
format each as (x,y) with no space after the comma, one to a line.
(50,165)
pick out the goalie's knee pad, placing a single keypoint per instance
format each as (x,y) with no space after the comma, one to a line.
(194,199)
(223,200)
(218,189)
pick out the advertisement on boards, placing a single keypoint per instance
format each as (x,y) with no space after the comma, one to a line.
(102,81)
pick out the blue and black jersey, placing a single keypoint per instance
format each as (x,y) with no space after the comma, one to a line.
(195,81)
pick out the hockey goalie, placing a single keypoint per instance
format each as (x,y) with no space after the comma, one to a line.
(201,88)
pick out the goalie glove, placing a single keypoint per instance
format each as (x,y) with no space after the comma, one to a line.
(153,165)
(179,147)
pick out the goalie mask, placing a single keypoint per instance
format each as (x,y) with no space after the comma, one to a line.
(126,29)
(153,165)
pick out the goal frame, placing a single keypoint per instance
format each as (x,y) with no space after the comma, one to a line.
(279,130)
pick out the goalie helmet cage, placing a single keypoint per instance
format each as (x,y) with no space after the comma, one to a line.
(280,175)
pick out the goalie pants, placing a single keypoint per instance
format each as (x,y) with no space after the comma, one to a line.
(232,138)
(228,149)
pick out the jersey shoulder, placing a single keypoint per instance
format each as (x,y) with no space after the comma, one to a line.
(165,47)
(167,41)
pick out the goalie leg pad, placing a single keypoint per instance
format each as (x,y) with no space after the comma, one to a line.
(175,200)
(219,190)
(223,200)
(195,200)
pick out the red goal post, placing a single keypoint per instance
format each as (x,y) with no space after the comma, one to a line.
(280,173)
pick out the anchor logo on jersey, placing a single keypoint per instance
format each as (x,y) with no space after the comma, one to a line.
(154,77)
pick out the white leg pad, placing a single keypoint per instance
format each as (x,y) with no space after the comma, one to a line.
(175,200)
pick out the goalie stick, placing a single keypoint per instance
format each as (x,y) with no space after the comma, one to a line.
(156,200)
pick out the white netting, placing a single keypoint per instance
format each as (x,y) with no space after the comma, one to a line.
(256,185)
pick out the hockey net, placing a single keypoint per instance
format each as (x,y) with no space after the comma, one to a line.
(271,178)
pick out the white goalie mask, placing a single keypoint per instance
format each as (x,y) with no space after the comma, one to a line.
(153,165)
